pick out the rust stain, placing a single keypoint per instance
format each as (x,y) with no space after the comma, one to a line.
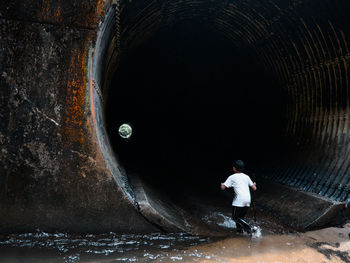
(45,9)
(49,12)
(94,17)
(52,11)
(99,7)
(57,14)
(93,113)
(75,98)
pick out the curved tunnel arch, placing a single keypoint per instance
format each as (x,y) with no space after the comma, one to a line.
(303,45)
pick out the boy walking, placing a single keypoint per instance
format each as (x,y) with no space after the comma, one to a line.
(241,202)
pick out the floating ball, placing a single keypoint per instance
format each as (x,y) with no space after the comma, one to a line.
(125,131)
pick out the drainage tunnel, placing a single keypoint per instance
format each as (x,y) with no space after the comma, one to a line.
(195,104)
(205,82)
(201,83)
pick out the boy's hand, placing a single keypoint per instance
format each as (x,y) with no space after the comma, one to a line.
(254,186)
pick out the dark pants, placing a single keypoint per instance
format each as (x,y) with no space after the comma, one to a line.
(238,214)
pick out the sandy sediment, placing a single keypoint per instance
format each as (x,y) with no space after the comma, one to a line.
(325,245)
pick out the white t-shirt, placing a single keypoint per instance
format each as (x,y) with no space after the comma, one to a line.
(240,183)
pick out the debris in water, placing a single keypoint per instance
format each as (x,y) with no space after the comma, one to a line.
(175,258)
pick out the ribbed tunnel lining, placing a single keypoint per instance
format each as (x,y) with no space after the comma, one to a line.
(304,45)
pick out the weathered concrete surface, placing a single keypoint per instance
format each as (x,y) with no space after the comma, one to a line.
(80,14)
(296,208)
(157,208)
(52,175)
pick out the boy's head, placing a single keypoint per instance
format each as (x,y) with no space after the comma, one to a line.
(238,166)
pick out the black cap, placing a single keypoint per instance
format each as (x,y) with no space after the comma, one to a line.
(239,164)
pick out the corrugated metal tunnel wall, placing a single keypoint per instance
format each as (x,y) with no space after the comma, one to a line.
(305,46)
(53,175)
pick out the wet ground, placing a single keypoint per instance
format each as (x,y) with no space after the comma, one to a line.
(214,239)
(44,247)
(326,245)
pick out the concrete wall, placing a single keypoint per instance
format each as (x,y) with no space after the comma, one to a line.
(52,174)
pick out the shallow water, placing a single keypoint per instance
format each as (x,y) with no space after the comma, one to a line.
(40,247)
(211,220)
(45,247)
(327,245)
(61,247)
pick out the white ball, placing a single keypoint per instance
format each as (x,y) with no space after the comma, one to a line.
(125,131)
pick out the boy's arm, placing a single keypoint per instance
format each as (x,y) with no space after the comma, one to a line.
(223,186)
(253,186)
(227,183)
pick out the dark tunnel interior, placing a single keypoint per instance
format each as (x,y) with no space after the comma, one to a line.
(196,103)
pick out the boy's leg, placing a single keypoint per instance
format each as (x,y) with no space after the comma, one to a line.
(235,212)
(245,225)
(238,214)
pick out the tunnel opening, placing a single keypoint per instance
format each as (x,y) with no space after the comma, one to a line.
(205,83)
(196,103)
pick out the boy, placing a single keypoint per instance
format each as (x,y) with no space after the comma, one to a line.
(241,202)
